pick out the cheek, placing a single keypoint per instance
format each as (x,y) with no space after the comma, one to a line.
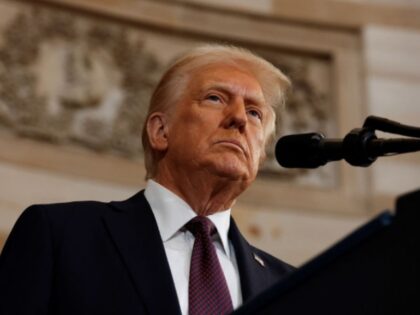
(194,135)
(194,120)
(258,149)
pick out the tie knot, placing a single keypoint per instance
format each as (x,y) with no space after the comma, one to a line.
(200,226)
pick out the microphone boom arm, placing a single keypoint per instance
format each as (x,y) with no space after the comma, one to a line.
(360,147)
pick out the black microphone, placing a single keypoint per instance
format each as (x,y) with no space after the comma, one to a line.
(360,147)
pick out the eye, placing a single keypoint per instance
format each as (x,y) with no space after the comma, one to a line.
(214,98)
(255,113)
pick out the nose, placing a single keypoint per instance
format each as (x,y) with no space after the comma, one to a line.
(235,116)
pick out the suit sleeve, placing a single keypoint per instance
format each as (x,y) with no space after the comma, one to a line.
(26,265)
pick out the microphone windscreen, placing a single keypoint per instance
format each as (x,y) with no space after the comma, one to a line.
(299,151)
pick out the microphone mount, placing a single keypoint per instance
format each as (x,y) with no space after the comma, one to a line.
(361,147)
(355,147)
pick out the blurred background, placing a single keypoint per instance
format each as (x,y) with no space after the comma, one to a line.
(76,76)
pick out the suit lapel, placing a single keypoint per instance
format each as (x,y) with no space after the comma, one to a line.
(252,270)
(135,233)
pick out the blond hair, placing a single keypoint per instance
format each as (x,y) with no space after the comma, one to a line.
(175,80)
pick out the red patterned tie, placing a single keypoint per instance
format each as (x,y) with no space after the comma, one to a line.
(208,290)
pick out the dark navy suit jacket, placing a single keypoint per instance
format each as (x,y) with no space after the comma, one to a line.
(104,258)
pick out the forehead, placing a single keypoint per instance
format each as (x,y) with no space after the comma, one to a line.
(234,79)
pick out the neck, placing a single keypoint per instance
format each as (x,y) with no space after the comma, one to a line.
(205,197)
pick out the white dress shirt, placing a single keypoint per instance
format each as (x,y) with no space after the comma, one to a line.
(171,214)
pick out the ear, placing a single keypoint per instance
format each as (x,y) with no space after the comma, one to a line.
(157,131)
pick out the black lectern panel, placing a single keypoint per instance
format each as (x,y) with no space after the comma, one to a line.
(375,270)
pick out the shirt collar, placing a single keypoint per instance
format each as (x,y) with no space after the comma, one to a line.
(172,213)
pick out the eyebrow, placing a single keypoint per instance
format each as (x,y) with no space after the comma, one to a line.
(231,89)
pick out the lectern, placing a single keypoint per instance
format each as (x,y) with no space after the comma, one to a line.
(374,270)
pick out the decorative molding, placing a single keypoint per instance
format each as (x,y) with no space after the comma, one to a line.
(180,19)
(348,14)
(72,160)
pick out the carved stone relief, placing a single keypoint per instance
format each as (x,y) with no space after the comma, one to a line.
(67,78)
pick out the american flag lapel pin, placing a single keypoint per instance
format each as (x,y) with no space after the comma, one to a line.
(259,260)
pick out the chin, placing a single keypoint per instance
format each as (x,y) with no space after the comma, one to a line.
(230,168)
(231,172)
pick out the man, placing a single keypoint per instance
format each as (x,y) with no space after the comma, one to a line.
(172,248)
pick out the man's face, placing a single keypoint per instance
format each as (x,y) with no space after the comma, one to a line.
(218,124)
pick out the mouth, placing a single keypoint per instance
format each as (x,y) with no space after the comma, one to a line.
(235,144)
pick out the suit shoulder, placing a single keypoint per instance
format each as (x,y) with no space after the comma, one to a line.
(63,216)
(76,213)
(70,210)
(67,224)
